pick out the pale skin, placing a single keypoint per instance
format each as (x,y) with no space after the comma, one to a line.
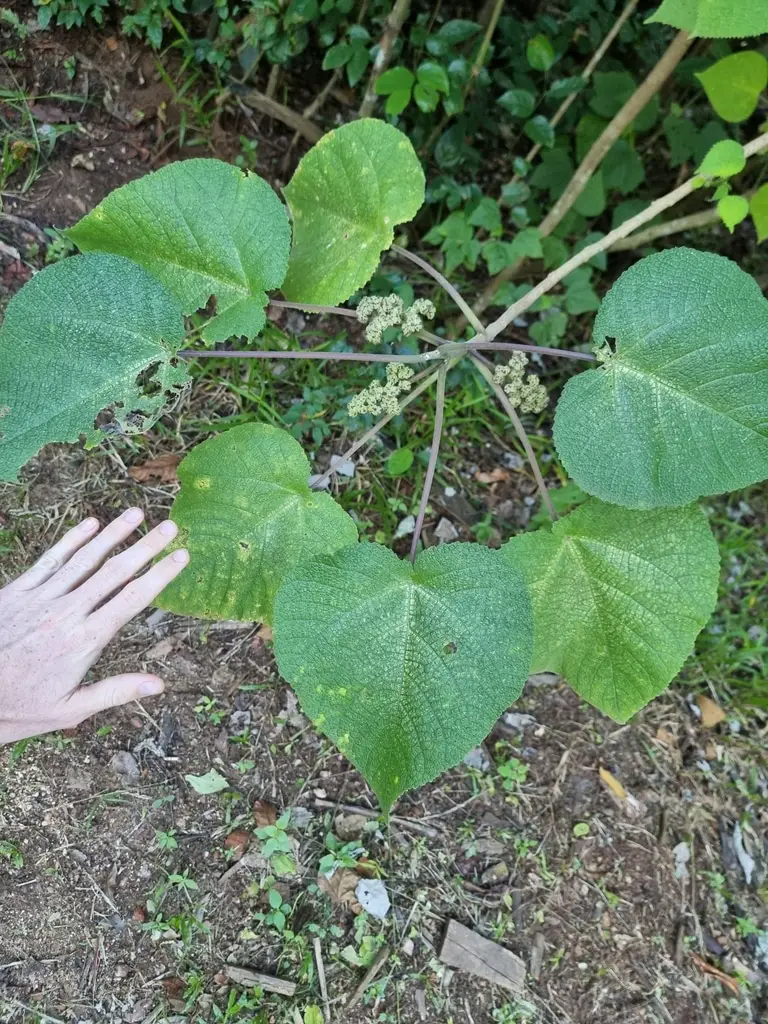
(57,618)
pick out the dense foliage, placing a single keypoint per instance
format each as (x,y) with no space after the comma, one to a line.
(406,665)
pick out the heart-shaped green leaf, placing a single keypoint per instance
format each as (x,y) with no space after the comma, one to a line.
(679,408)
(80,337)
(715,19)
(247,516)
(619,597)
(203,228)
(347,196)
(733,85)
(405,667)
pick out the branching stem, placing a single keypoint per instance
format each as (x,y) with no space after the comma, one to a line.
(444,283)
(356,357)
(590,251)
(483,367)
(370,434)
(433,453)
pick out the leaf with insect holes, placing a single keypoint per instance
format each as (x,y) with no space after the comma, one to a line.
(405,667)
(87,334)
(733,85)
(679,408)
(619,597)
(715,19)
(203,228)
(247,516)
(346,197)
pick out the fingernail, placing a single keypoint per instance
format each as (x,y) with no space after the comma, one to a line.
(182,555)
(150,687)
(89,525)
(133,515)
(169,528)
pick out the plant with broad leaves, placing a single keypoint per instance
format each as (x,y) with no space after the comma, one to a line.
(406,664)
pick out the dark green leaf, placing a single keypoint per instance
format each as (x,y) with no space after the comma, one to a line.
(538,129)
(540,53)
(518,102)
(395,80)
(433,76)
(337,56)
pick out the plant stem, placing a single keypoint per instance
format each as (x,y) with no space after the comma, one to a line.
(513,346)
(482,53)
(517,423)
(370,434)
(669,227)
(623,231)
(432,466)
(597,56)
(354,357)
(611,133)
(444,283)
(309,307)
(394,23)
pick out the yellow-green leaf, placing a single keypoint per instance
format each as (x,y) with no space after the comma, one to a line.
(758,207)
(732,210)
(733,85)
(723,160)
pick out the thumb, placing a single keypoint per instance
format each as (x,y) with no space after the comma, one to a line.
(109,693)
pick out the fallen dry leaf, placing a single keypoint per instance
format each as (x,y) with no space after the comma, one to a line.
(725,979)
(111,43)
(163,468)
(238,842)
(666,737)
(340,888)
(264,813)
(174,987)
(613,784)
(264,633)
(711,714)
(496,476)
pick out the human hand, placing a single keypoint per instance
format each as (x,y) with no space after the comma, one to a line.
(57,618)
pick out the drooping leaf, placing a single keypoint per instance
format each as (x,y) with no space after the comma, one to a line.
(679,408)
(681,137)
(346,197)
(723,160)
(202,228)
(540,53)
(591,202)
(732,210)
(405,667)
(733,85)
(79,338)
(580,297)
(517,102)
(622,168)
(247,516)
(758,207)
(715,19)
(619,597)
(612,89)
(538,129)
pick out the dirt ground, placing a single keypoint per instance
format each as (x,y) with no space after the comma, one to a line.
(625,865)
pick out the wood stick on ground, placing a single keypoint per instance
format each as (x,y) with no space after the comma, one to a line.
(391,31)
(259,101)
(254,979)
(468,951)
(321,978)
(369,977)
(366,812)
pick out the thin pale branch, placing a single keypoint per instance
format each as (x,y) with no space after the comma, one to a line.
(513,346)
(594,157)
(310,307)
(757,145)
(669,227)
(444,283)
(394,23)
(352,357)
(433,453)
(370,434)
(517,423)
(482,53)
(597,56)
